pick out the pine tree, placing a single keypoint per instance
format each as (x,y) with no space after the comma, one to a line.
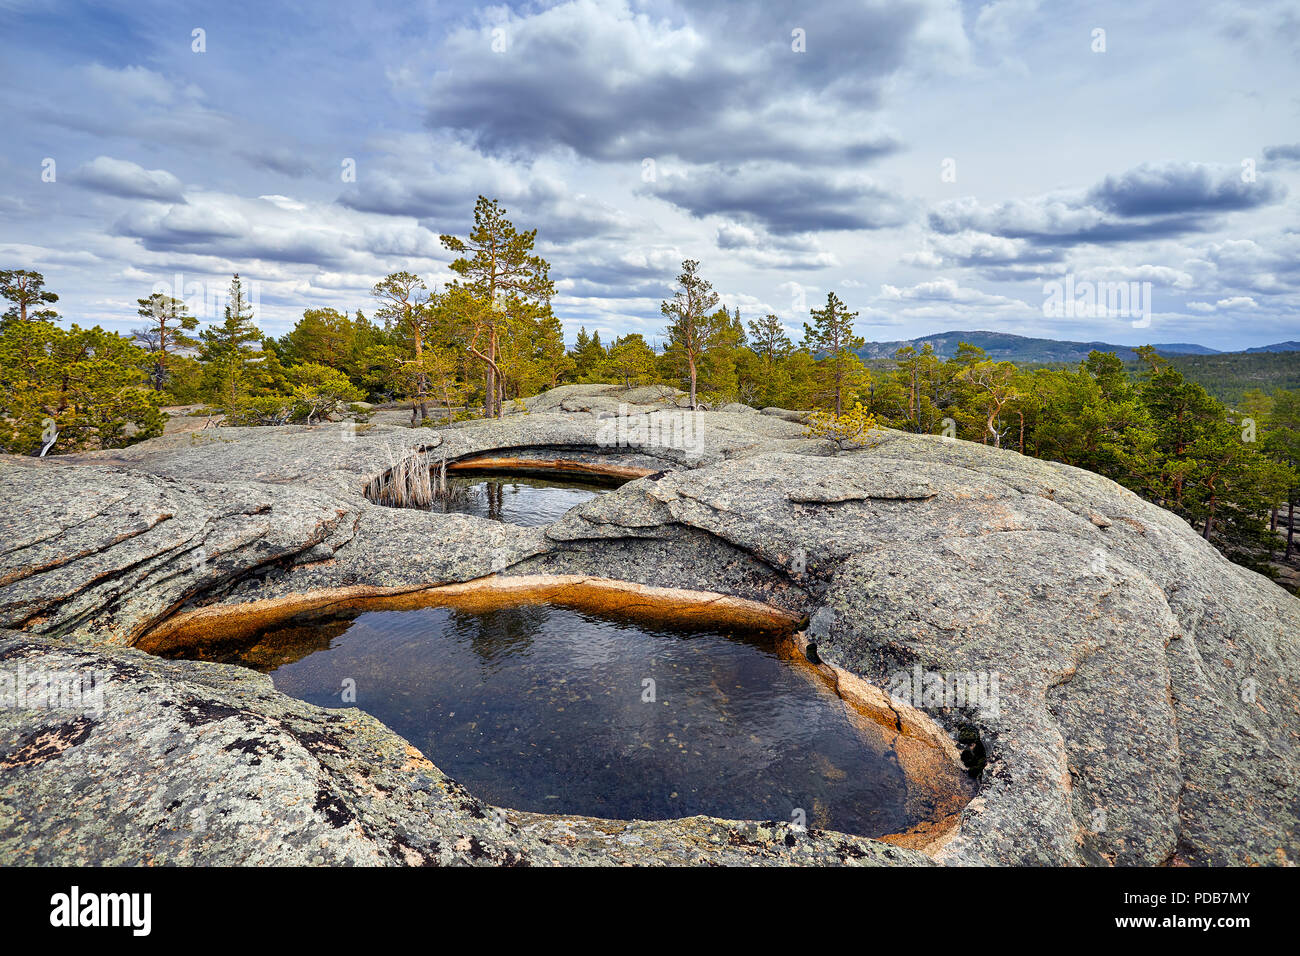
(1281,443)
(497,264)
(325,336)
(72,389)
(589,356)
(994,383)
(26,290)
(691,331)
(631,359)
(165,333)
(404,305)
(769,339)
(552,360)
(832,332)
(233,350)
(921,375)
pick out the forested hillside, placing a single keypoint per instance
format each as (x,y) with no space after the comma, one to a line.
(1230,375)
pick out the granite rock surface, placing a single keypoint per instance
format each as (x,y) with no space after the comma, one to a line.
(1137,693)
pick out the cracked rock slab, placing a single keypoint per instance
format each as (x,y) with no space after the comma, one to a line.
(1148,697)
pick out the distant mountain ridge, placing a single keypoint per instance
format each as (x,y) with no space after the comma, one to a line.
(1004,346)
(1277,347)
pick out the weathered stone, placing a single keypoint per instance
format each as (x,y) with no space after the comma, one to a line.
(789,415)
(1146,709)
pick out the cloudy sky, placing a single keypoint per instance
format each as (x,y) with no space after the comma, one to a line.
(933,162)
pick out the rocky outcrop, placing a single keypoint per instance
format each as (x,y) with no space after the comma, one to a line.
(601,400)
(1139,700)
(180,762)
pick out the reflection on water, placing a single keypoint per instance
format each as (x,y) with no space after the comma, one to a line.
(517,500)
(547,709)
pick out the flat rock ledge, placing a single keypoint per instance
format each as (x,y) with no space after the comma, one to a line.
(1146,708)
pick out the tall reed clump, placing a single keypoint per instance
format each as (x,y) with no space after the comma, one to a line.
(409,482)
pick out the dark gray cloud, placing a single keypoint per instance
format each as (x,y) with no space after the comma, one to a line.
(994,251)
(422,196)
(726,86)
(998,258)
(761,249)
(1282,156)
(284,161)
(1284,152)
(1020,220)
(268,229)
(733,235)
(635,273)
(445,203)
(783,199)
(1149,202)
(312,250)
(1181,188)
(1015,273)
(583,287)
(1259,23)
(131,104)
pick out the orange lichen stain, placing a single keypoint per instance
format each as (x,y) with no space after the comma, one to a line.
(928,757)
(642,603)
(928,836)
(562,465)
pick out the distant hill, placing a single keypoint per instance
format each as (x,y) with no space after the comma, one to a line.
(1277,347)
(998,345)
(1003,346)
(1183,348)
(1226,375)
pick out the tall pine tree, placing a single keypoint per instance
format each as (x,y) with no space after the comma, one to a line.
(233,351)
(497,264)
(832,332)
(692,330)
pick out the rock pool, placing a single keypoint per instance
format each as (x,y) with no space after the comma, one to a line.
(548,709)
(516,499)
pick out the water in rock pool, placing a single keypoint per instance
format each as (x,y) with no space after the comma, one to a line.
(547,709)
(518,500)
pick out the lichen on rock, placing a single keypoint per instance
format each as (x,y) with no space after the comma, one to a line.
(1146,706)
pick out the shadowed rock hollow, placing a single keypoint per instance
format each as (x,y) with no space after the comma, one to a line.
(1146,709)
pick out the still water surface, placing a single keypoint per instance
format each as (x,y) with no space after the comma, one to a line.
(554,710)
(517,500)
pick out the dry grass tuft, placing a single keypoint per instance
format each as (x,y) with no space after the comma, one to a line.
(409,481)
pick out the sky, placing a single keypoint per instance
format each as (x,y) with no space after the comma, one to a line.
(936,164)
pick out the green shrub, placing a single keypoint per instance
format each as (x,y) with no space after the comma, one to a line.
(267,410)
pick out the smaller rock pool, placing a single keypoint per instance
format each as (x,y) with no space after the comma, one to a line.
(516,499)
